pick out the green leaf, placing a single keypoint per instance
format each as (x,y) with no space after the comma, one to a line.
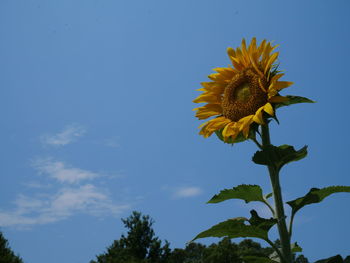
(269,195)
(248,193)
(293,100)
(237,227)
(279,156)
(335,259)
(316,195)
(263,223)
(233,228)
(256,259)
(296,248)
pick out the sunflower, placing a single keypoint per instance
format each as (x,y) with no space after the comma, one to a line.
(239,96)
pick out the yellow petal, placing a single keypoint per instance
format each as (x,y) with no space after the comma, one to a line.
(208,110)
(244,46)
(252,46)
(218,123)
(252,60)
(266,53)
(226,73)
(270,61)
(277,77)
(231,52)
(217,77)
(269,109)
(213,125)
(244,124)
(258,117)
(208,97)
(245,53)
(261,86)
(214,87)
(246,127)
(261,47)
(229,131)
(279,85)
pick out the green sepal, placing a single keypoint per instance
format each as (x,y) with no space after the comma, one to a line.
(236,227)
(257,259)
(335,259)
(279,156)
(245,192)
(293,100)
(316,195)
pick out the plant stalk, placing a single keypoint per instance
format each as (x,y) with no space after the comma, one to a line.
(277,193)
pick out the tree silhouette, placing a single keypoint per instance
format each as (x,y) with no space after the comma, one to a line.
(139,245)
(6,254)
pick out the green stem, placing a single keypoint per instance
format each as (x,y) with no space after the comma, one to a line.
(291,225)
(277,193)
(257,143)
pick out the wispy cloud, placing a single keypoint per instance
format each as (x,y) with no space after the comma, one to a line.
(112,142)
(68,135)
(67,202)
(65,193)
(185,192)
(61,171)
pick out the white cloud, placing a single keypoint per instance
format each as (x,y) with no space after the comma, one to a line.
(112,142)
(64,194)
(68,135)
(86,199)
(36,185)
(61,172)
(185,192)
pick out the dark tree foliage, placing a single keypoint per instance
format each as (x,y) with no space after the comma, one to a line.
(250,248)
(140,245)
(6,254)
(225,251)
(301,259)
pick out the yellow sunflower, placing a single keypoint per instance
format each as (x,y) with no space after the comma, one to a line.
(238,96)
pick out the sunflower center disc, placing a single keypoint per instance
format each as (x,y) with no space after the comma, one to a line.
(242,93)
(243,96)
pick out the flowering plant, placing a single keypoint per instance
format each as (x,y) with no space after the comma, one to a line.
(241,100)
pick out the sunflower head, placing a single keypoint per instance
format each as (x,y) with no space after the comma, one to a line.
(238,96)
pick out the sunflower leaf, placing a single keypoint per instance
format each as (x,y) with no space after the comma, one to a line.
(257,259)
(296,248)
(245,192)
(293,100)
(268,195)
(316,195)
(279,156)
(335,259)
(263,223)
(237,227)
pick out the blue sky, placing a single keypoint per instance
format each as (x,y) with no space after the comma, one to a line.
(96,110)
